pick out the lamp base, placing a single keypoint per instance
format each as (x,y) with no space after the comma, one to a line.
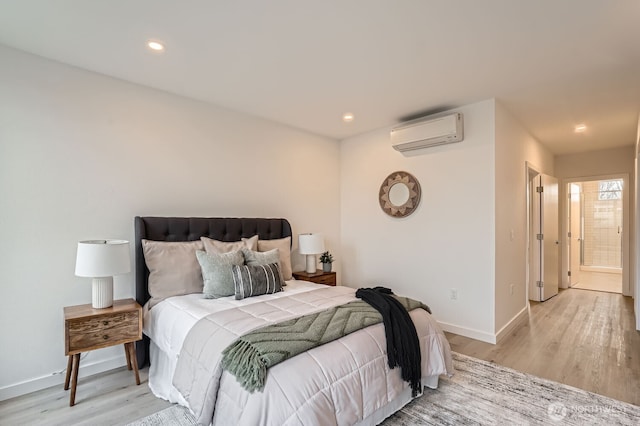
(311,263)
(102,292)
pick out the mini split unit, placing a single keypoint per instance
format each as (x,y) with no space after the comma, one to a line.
(426,132)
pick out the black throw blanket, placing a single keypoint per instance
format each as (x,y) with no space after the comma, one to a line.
(403,346)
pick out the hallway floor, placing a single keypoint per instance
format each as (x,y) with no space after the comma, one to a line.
(585,339)
(599,281)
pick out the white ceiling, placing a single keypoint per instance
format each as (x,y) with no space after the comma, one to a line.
(552,63)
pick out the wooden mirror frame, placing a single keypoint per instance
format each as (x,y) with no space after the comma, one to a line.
(410,205)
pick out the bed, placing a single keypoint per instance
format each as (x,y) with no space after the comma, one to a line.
(346,381)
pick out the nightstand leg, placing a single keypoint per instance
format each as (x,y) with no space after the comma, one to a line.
(126,352)
(134,361)
(66,380)
(74,379)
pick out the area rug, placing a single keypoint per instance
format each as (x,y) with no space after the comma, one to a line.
(175,415)
(483,393)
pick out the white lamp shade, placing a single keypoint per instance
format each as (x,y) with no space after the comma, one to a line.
(310,243)
(102,258)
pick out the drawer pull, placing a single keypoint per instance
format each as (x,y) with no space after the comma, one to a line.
(105,322)
(105,337)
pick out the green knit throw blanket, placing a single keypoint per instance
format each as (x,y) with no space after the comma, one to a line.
(249,357)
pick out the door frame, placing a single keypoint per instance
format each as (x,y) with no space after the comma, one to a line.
(574,239)
(626,282)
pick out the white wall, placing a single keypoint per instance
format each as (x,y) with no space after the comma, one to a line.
(448,242)
(81,154)
(514,148)
(604,163)
(596,163)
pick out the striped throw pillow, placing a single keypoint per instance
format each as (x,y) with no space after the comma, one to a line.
(254,280)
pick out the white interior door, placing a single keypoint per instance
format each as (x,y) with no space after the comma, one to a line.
(550,243)
(544,266)
(535,267)
(575,234)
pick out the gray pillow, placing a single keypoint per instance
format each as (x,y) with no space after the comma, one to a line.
(216,272)
(257,258)
(261,257)
(284,245)
(254,280)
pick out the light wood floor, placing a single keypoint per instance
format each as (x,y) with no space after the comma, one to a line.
(110,398)
(582,338)
(599,281)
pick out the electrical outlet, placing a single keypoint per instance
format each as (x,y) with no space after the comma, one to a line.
(511,286)
(454,294)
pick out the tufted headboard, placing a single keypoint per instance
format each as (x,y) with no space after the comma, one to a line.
(191,229)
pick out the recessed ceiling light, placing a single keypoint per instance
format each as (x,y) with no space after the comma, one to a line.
(348,117)
(155,45)
(580,128)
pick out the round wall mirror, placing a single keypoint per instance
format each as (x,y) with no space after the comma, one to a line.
(399,194)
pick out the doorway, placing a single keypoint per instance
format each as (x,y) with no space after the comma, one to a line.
(595,234)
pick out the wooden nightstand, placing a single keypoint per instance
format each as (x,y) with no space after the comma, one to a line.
(318,277)
(86,329)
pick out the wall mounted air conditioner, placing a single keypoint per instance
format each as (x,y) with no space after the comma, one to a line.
(426,132)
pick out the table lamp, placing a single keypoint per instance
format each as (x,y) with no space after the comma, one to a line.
(311,245)
(101,260)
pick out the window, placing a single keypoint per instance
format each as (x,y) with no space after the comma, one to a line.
(610,189)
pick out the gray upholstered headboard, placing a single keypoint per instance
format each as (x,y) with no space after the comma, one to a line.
(191,229)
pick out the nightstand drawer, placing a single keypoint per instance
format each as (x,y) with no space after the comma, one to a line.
(325,279)
(318,277)
(102,331)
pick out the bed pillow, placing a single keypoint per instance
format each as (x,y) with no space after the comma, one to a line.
(173,268)
(255,280)
(257,258)
(216,272)
(284,247)
(215,246)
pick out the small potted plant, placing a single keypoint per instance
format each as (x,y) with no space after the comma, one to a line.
(326,259)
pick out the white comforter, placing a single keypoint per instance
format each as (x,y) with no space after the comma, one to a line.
(344,382)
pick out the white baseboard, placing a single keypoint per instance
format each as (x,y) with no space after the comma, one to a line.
(483,336)
(55,379)
(520,318)
(468,332)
